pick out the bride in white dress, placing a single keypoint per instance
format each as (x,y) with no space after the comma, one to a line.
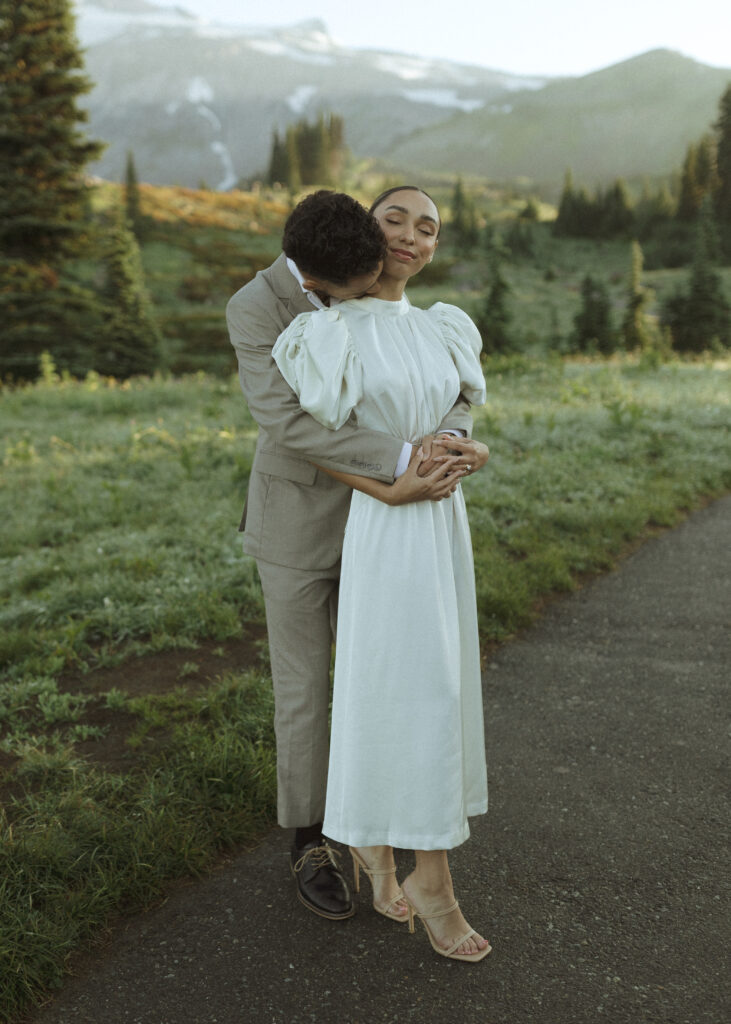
(407,757)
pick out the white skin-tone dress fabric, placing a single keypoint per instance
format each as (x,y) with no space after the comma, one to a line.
(407,752)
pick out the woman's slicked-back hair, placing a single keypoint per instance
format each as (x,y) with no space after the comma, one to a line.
(403,188)
(330,236)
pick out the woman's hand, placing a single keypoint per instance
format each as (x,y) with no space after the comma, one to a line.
(439,482)
(472,454)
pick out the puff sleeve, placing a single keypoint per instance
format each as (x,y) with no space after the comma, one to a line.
(316,357)
(464,344)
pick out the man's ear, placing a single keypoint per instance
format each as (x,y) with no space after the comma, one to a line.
(313,284)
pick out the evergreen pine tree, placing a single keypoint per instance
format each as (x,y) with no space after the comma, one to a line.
(132,207)
(705,166)
(336,148)
(690,198)
(723,159)
(278,170)
(132,340)
(614,209)
(636,331)
(42,151)
(593,324)
(493,320)
(463,222)
(323,174)
(294,177)
(701,317)
(310,143)
(43,195)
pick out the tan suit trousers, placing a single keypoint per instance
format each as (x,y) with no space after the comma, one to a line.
(301,609)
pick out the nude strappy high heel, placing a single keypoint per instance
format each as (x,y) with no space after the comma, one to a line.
(387,911)
(450,951)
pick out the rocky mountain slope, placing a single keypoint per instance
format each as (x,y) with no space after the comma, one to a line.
(198,101)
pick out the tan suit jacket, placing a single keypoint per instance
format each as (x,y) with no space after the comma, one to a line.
(295,515)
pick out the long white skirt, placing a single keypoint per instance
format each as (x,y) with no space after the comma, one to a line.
(407,754)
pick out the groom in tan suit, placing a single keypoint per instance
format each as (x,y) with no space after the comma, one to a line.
(295,514)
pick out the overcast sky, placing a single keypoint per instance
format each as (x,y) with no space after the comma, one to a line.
(551,37)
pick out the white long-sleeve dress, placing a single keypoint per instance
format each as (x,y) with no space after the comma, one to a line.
(407,752)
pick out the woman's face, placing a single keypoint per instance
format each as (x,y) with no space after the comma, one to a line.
(410,222)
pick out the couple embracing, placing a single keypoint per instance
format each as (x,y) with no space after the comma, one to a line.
(357,522)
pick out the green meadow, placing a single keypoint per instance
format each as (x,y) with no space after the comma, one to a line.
(135,709)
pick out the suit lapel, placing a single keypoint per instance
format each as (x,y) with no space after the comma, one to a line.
(287,288)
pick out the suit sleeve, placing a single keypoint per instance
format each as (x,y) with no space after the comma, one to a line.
(254,322)
(459,417)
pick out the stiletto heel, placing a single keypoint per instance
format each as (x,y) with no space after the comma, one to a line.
(387,911)
(450,953)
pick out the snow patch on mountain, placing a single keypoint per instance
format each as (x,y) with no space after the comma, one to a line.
(276,48)
(442,98)
(230,177)
(98,23)
(199,90)
(301,97)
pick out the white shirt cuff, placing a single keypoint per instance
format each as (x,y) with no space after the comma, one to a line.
(403,460)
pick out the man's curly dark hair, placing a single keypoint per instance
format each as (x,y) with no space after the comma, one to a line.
(330,236)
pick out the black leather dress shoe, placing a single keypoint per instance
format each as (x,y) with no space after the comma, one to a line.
(320,884)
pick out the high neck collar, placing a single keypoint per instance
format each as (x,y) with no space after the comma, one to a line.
(379,307)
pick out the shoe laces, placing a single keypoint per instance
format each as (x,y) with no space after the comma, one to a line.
(319,856)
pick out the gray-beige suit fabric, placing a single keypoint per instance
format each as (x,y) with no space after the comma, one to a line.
(294,523)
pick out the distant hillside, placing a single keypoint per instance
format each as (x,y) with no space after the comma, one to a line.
(635,118)
(197,101)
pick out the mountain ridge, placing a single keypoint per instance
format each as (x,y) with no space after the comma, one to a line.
(197,100)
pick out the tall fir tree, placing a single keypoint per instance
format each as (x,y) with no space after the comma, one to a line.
(294,176)
(131,337)
(700,318)
(689,199)
(132,204)
(576,215)
(706,166)
(494,319)
(463,223)
(43,153)
(616,216)
(593,329)
(337,152)
(278,171)
(636,330)
(723,159)
(311,150)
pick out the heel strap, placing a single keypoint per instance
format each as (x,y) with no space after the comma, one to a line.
(357,859)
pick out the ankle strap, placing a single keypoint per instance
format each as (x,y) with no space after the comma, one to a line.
(440,913)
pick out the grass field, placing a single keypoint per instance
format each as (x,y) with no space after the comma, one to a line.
(135,708)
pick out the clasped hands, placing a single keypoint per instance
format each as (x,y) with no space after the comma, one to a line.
(437,465)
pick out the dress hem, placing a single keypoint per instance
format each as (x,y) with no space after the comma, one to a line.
(400,841)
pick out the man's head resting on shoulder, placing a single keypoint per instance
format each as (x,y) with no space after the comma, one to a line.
(337,245)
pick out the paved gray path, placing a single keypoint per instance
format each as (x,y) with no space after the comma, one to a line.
(600,873)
